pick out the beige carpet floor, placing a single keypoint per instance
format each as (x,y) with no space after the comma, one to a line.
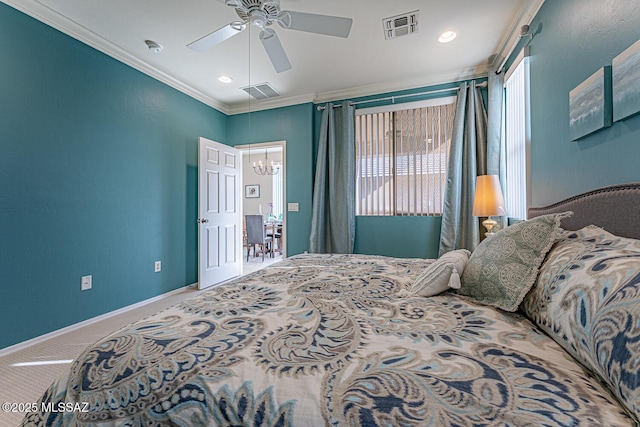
(25,384)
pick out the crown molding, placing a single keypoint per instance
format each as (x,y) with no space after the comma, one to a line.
(71,28)
(254,106)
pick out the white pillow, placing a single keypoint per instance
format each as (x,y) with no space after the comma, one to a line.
(444,273)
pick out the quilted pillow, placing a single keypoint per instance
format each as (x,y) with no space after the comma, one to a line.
(443,274)
(503,267)
(587,298)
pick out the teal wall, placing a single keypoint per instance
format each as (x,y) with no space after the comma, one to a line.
(574,39)
(294,125)
(98,175)
(399,236)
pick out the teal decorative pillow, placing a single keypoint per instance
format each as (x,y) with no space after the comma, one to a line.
(503,267)
(443,274)
(587,298)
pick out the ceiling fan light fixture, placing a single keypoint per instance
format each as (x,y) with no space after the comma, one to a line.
(258,18)
(447,36)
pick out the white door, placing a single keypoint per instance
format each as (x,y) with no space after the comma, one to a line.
(220,229)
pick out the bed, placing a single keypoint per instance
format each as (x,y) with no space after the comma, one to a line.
(345,340)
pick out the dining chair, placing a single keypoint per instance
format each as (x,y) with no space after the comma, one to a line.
(256,235)
(276,235)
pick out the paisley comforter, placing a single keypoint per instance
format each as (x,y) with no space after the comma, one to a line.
(320,340)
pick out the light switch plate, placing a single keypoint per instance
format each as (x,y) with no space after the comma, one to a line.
(293,207)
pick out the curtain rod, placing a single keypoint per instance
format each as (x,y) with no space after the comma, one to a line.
(407,95)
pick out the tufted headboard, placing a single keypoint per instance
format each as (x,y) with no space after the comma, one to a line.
(615,208)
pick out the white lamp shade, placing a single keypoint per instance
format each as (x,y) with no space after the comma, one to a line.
(488,200)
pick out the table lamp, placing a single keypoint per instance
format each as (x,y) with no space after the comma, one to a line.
(488,201)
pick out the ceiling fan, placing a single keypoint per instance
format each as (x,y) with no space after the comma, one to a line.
(262,14)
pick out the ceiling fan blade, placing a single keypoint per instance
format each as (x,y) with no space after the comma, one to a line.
(217,37)
(313,23)
(274,49)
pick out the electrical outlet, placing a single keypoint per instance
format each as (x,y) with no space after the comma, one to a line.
(157,266)
(293,207)
(86,283)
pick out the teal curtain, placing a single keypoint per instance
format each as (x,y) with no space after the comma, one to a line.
(467,159)
(496,149)
(333,224)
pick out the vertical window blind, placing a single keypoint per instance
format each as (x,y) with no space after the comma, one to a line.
(516,137)
(401,160)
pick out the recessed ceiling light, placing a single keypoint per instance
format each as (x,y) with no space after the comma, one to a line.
(447,36)
(225,79)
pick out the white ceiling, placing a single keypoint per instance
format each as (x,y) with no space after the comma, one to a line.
(323,68)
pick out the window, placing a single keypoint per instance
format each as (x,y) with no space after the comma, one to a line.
(278,201)
(517,136)
(401,158)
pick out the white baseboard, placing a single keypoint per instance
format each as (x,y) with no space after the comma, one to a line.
(24,344)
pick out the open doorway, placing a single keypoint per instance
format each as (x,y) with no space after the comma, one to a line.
(265,195)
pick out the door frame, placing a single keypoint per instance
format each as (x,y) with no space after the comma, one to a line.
(283,170)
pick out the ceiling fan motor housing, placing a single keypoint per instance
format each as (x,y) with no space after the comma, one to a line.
(260,13)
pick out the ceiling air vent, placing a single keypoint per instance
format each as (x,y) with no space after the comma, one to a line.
(400,25)
(261,91)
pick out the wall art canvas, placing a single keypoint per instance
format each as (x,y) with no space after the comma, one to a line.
(590,105)
(626,86)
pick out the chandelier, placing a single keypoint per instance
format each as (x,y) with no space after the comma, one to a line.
(269,167)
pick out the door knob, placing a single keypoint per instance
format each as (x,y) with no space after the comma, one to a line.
(202,220)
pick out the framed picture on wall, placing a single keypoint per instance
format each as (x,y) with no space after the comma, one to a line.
(590,105)
(251,191)
(626,92)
